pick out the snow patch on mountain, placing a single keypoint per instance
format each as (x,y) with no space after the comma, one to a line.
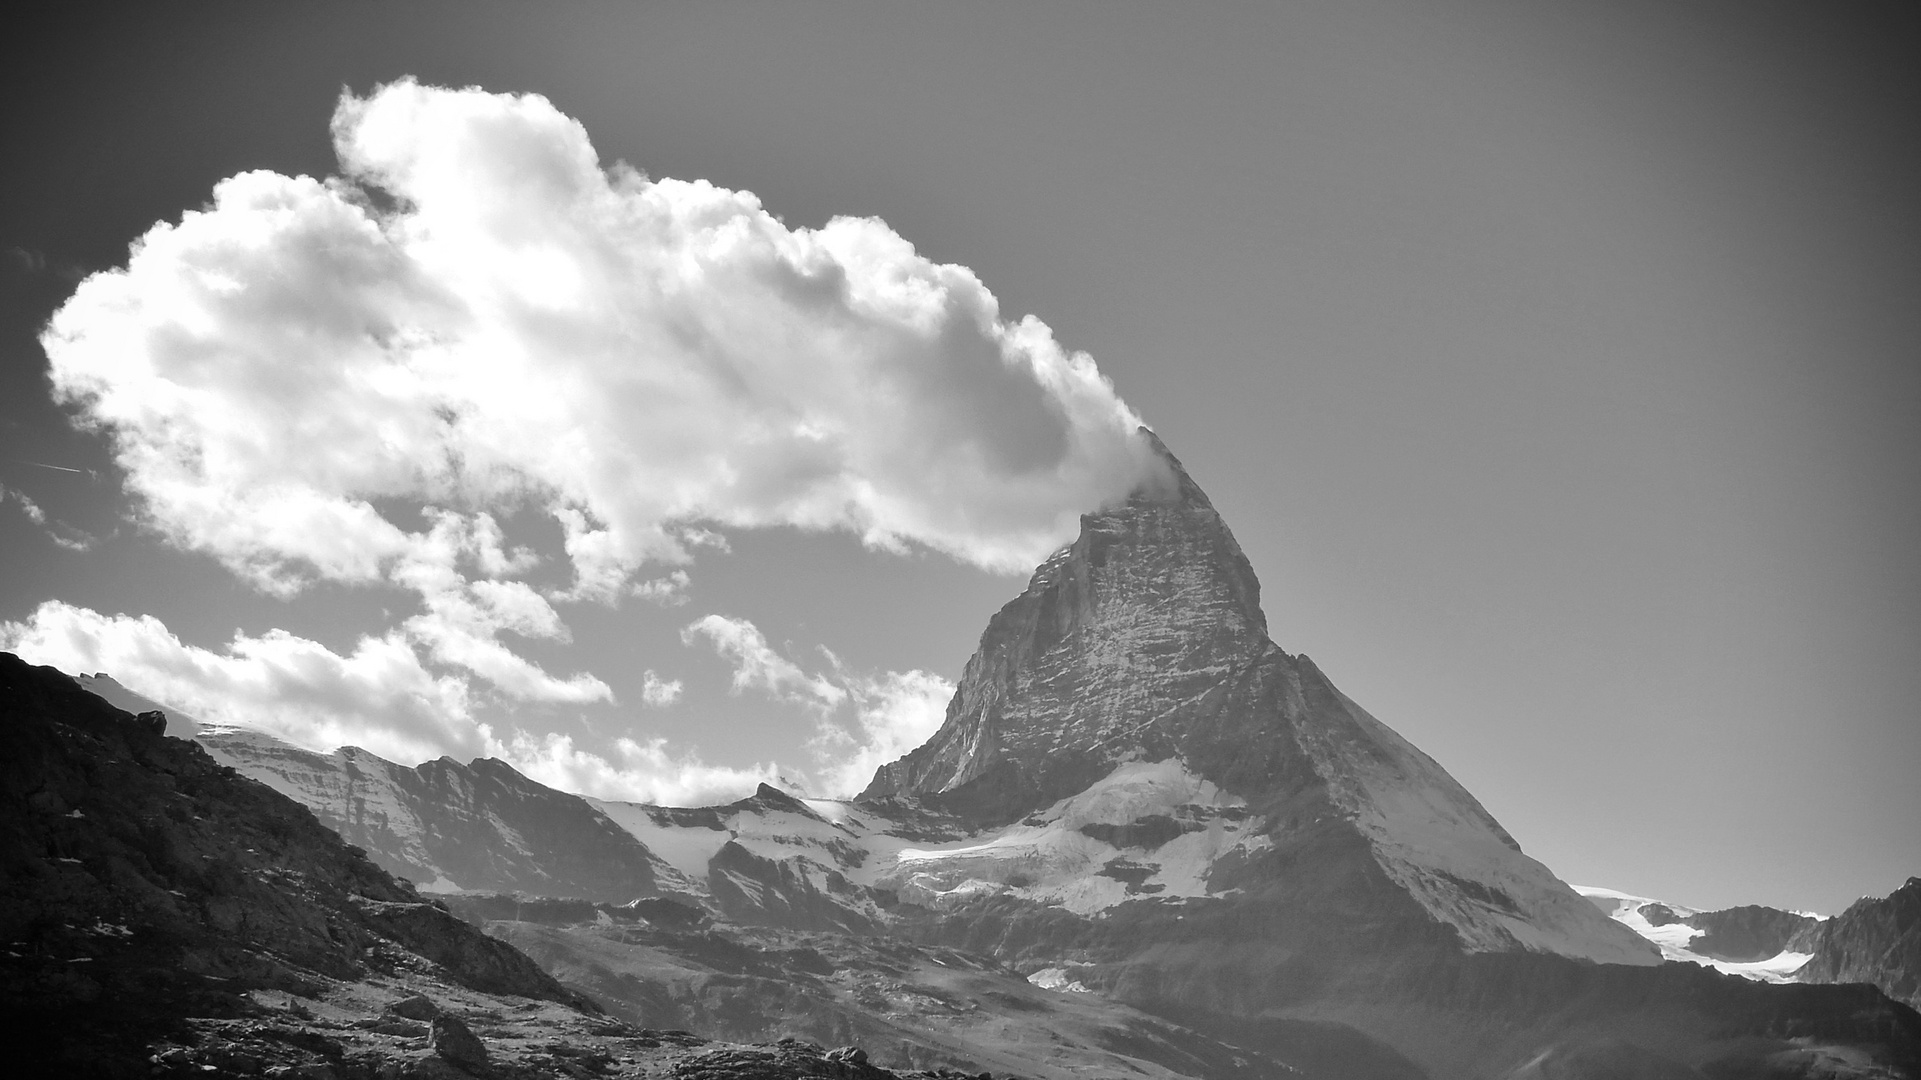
(1147,829)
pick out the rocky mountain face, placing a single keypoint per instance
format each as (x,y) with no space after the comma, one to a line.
(449,826)
(1875,941)
(1747,933)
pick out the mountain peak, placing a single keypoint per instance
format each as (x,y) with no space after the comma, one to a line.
(1169,483)
(1112,649)
(1143,643)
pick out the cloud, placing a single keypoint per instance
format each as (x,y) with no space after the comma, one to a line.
(359,378)
(61,533)
(891,713)
(476,314)
(27,259)
(758,667)
(657,691)
(669,590)
(27,505)
(637,772)
(378,697)
(464,615)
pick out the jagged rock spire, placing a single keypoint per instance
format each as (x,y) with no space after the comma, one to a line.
(1115,645)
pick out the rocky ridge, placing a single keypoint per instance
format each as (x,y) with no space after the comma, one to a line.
(1875,941)
(449,826)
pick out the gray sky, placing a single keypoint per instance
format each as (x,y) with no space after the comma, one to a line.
(1554,365)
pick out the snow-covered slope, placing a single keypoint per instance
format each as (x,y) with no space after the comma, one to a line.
(1677,932)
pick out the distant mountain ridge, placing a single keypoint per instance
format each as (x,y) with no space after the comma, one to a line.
(449,826)
(1752,941)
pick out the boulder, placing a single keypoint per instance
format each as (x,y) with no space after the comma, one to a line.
(456,1042)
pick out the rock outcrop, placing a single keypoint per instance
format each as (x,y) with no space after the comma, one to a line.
(1748,933)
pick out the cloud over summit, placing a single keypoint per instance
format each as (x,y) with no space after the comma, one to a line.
(477,315)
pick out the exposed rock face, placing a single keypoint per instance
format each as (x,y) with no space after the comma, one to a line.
(1747,933)
(448,826)
(1874,941)
(1132,639)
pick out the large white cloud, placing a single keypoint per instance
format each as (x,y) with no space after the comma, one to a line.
(476,314)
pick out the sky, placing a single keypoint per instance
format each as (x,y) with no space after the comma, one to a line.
(663,397)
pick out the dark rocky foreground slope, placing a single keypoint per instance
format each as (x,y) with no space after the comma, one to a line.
(163,916)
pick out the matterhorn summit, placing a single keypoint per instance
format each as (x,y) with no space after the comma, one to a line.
(1143,642)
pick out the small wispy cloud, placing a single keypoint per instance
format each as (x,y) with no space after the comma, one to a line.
(758,666)
(861,721)
(61,533)
(657,691)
